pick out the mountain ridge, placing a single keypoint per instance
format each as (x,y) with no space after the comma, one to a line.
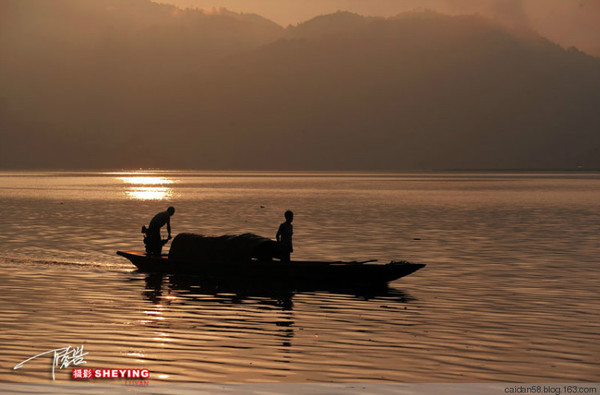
(419,91)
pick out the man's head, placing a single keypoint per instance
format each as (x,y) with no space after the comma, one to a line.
(171,210)
(289,216)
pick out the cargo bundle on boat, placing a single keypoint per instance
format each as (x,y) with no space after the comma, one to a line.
(228,248)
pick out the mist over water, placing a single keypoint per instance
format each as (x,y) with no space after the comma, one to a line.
(509,292)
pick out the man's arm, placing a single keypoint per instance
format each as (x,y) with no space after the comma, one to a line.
(169,227)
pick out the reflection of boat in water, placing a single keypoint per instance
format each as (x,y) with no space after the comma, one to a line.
(249,258)
(191,288)
(298,274)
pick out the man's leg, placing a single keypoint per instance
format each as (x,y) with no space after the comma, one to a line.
(153,242)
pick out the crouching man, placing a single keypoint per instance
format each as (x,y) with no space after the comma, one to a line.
(153,240)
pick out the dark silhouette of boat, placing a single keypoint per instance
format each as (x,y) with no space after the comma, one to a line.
(249,258)
(299,274)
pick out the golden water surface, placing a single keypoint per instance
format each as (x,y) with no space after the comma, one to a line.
(510,291)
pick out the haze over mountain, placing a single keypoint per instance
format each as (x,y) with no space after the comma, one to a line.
(131,83)
(568,23)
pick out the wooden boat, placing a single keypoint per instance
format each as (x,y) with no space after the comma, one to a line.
(295,273)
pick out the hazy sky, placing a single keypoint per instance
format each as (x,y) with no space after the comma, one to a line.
(567,22)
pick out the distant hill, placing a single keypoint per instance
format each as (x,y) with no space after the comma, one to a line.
(325,25)
(130,33)
(160,87)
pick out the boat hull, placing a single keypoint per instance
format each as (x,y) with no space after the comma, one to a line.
(295,273)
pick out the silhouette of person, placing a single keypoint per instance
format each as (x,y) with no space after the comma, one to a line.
(153,240)
(284,237)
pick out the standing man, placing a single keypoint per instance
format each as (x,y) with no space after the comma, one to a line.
(153,240)
(284,237)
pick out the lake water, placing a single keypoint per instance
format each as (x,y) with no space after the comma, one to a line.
(510,291)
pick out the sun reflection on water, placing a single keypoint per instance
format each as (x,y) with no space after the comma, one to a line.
(147,187)
(146,180)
